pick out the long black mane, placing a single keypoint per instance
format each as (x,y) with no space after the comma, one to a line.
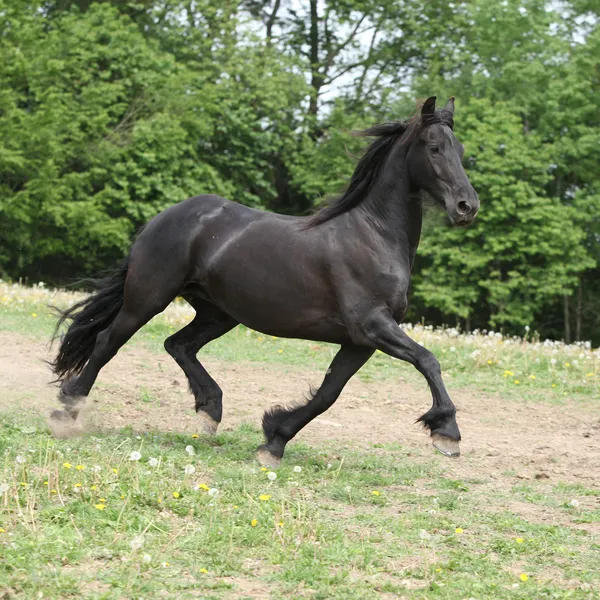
(386,134)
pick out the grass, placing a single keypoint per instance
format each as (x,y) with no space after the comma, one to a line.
(80,517)
(124,515)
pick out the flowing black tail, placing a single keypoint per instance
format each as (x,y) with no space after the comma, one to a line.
(88,318)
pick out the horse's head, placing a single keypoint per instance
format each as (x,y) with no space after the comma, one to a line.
(435,163)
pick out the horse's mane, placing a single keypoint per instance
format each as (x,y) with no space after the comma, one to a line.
(386,134)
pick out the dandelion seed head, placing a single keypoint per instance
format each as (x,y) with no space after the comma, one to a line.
(153,462)
(213,492)
(271,476)
(137,542)
(135,456)
(146,558)
(20,459)
(297,469)
(189,469)
(190,450)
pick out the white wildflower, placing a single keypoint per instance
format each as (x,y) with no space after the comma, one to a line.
(153,462)
(190,450)
(574,503)
(271,476)
(96,468)
(297,469)
(146,558)
(135,455)
(189,469)
(20,459)
(137,542)
(213,492)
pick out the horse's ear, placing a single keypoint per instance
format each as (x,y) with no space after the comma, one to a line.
(450,105)
(428,107)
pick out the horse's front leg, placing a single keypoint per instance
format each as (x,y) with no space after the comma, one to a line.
(382,332)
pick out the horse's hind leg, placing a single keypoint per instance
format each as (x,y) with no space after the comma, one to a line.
(209,323)
(108,342)
(281,424)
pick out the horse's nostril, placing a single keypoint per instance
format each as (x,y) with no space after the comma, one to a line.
(463,207)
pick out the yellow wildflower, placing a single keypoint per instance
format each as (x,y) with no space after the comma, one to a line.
(45,483)
(2,530)
(53,491)
(34,315)
(203,570)
(567,364)
(80,467)
(376,493)
(517,382)
(280,351)
(519,540)
(523,577)
(553,385)
(263,468)
(159,500)
(280,524)
(532,377)
(93,487)
(77,485)
(67,465)
(508,374)
(100,506)
(195,436)
(589,374)
(101,499)
(176,494)
(458,530)
(490,362)
(264,497)
(115,471)
(204,487)
(253,523)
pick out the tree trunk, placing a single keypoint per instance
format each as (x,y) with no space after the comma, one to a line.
(316,76)
(567,319)
(578,311)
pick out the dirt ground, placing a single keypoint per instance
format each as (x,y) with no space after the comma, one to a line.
(504,442)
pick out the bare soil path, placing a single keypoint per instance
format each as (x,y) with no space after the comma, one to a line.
(504,442)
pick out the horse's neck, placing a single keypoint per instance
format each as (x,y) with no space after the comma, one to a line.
(396,210)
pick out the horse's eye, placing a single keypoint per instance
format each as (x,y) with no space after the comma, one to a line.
(434,149)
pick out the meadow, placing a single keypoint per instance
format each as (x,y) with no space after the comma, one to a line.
(123,512)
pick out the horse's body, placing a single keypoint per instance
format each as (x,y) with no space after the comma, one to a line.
(341,276)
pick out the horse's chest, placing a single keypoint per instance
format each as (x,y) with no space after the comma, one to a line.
(392,288)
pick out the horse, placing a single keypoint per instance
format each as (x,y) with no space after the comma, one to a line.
(340,276)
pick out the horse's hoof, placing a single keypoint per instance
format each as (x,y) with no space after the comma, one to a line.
(266,459)
(61,416)
(446,446)
(208,425)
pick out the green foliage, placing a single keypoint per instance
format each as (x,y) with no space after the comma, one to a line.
(524,250)
(111,111)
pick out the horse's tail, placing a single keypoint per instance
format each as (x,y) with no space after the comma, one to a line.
(88,318)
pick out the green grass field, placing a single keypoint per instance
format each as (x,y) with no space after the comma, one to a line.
(162,515)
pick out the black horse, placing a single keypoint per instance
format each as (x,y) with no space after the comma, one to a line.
(339,276)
